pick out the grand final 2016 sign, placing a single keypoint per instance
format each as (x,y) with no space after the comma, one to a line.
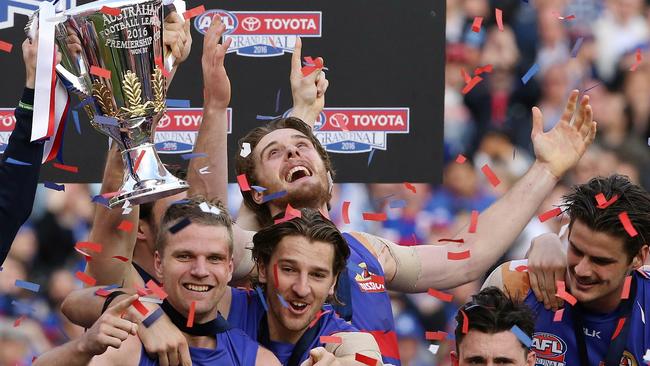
(383,120)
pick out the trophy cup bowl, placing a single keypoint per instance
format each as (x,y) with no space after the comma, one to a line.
(127,104)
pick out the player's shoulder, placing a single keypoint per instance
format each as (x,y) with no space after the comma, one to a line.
(511,277)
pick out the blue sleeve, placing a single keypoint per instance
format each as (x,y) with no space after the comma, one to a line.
(18,182)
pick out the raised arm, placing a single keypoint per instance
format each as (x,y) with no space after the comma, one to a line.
(178,40)
(308,91)
(415,269)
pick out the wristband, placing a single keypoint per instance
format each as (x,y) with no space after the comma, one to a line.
(25,106)
(110,298)
(152,317)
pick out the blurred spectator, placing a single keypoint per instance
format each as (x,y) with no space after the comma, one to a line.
(410,340)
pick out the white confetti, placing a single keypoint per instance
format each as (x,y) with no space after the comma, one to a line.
(518,263)
(433,348)
(646,357)
(245,150)
(126,208)
(642,313)
(150,299)
(204,170)
(205,207)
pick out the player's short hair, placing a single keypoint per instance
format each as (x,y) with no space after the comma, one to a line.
(198,211)
(246,165)
(311,225)
(492,311)
(581,205)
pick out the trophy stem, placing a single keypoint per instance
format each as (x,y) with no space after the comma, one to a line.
(142,161)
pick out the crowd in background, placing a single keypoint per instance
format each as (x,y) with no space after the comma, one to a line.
(599,47)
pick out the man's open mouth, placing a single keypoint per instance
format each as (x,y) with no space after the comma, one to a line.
(296,173)
(197,288)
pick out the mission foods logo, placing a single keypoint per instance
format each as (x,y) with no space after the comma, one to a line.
(261,33)
(177,130)
(549,349)
(7,124)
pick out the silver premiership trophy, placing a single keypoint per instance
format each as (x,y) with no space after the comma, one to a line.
(124,40)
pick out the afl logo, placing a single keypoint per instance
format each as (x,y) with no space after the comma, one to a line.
(251,24)
(203,22)
(628,359)
(548,346)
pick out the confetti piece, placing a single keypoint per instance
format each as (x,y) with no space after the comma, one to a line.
(318,316)
(275,275)
(95,247)
(625,294)
(98,71)
(345,213)
(461,159)
(54,186)
(465,327)
(67,168)
(466,77)
(103,292)
(576,47)
(498,14)
(110,11)
(180,225)
(523,337)
(258,188)
(642,312)
(520,265)
(245,150)
(152,318)
(627,224)
(243,183)
(139,160)
(475,80)
(193,156)
(619,327)
(140,308)
(457,256)
(16,162)
(473,221)
(283,301)
(125,226)
(646,357)
(372,153)
(588,89)
(433,348)
(638,60)
(20,319)
(273,196)
(331,339)
(194,12)
(33,287)
(157,290)
(178,103)
(550,214)
(121,258)
(604,203)
(557,316)
(530,73)
(277,103)
(397,204)
(161,66)
(365,359)
(460,241)
(377,279)
(370,216)
(440,295)
(435,336)
(204,170)
(562,294)
(86,278)
(410,187)
(480,70)
(260,294)
(6,46)
(491,177)
(476,24)
(311,65)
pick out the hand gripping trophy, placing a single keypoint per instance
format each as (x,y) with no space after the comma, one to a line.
(119,73)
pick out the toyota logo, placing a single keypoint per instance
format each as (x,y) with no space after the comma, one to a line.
(251,24)
(165,121)
(339,120)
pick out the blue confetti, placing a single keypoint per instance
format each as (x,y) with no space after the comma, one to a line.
(283,301)
(576,47)
(259,188)
(273,196)
(84,102)
(397,204)
(101,200)
(181,202)
(262,298)
(152,318)
(75,117)
(266,118)
(54,186)
(33,287)
(16,162)
(23,309)
(180,225)
(111,287)
(103,120)
(530,73)
(588,89)
(193,155)
(277,101)
(372,153)
(523,338)
(178,103)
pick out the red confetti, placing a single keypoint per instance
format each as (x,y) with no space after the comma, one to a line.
(20,319)
(465,75)
(86,278)
(377,279)
(489,174)
(410,187)
(86,255)
(369,216)
(550,214)
(480,70)
(603,203)
(498,14)
(143,291)
(442,296)
(476,25)
(521,268)
(461,159)
(331,339)
(194,12)
(562,294)
(313,65)
(452,256)
(110,11)
(157,290)
(451,240)
(125,226)
(162,67)
(435,336)
(557,316)
(122,258)
(465,328)
(275,274)
(67,168)
(95,247)
(138,160)
(365,359)
(293,212)
(243,183)
(140,308)
(638,60)
(346,208)
(102,73)
(625,294)
(102,292)
(475,80)
(320,313)
(627,224)
(6,46)
(619,326)
(473,222)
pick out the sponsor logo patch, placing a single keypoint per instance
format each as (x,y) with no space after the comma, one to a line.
(369,282)
(549,349)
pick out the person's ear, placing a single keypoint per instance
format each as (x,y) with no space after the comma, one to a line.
(158,266)
(531,358)
(231,268)
(258,197)
(640,257)
(261,272)
(454,358)
(333,287)
(143,230)
(330,182)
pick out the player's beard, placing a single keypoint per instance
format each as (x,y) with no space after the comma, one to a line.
(312,194)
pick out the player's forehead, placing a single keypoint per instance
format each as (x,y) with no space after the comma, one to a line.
(490,346)
(282,135)
(200,239)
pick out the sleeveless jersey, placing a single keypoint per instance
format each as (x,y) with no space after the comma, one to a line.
(555,342)
(366,302)
(247,310)
(234,347)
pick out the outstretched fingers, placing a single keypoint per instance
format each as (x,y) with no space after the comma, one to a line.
(570,108)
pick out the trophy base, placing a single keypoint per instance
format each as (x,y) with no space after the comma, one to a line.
(149,194)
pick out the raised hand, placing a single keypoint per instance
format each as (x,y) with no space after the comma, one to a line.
(215,78)
(319,356)
(560,148)
(110,330)
(308,91)
(546,265)
(177,37)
